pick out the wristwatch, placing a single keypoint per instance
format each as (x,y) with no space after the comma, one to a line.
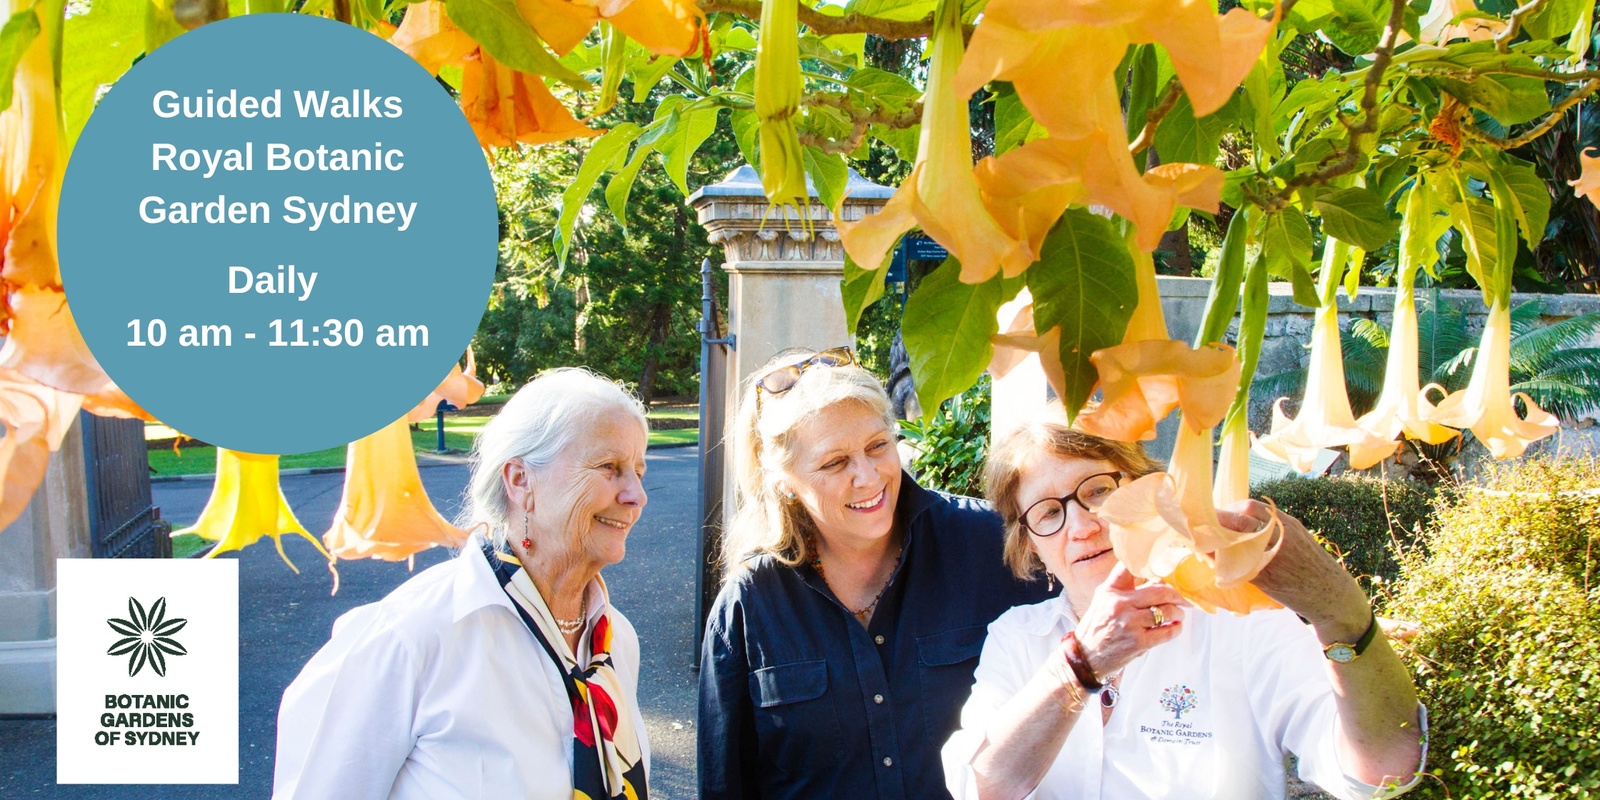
(1341,653)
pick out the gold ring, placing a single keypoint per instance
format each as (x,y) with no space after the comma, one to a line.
(1160,619)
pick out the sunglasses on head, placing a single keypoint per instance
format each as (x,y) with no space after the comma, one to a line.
(784,378)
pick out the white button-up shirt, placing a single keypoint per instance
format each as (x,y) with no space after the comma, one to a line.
(438,692)
(1209,714)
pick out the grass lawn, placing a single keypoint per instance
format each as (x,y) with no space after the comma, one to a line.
(459,433)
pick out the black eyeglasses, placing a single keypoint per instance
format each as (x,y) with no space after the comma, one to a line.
(784,378)
(1048,516)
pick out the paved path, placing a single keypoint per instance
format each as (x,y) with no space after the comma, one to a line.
(285,617)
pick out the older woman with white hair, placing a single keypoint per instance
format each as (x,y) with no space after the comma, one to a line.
(841,647)
(504,672)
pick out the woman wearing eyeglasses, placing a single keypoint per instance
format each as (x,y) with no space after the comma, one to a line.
(1119,690)
(841,647)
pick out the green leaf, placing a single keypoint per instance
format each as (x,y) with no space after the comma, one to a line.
(1509,99)
(861,288)
(1013,125)
(1356,25)
(947,328)
(1425,221)
(828,174)
(1356,215)
(506,36)
(1516,184)
(100,46)
(646,76)
(814,48)
(602,157)
(1182,138)
(1556,19)
(1083,282)
(159,26)
(1476,219)
(621,185)
(1258,91)
(1286,246)
(885,90)
(15,37)
(902,10)
(1141,87)
(1223,299)
(685,131)
(745,123)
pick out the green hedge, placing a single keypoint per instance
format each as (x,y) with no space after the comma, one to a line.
(1508,661)
(1363,518)
(950,447)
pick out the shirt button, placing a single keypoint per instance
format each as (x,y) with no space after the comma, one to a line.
(878,638)
(877,698)
(888,762)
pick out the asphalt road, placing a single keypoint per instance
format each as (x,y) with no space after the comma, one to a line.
(285,617)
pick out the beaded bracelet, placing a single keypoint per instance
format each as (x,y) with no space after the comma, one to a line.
(1072,651)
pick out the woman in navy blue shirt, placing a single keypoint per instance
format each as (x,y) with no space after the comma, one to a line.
(842,645)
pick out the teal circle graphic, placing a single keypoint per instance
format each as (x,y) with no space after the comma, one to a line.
(277,233)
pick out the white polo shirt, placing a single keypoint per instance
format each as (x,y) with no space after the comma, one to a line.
(438,692)
(1209,714)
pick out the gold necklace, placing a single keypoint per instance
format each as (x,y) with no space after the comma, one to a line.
(816,564)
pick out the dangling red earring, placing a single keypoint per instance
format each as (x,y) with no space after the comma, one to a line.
(527,544)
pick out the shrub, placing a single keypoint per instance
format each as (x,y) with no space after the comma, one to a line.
(949,447)
(1508,661)
(1363,518)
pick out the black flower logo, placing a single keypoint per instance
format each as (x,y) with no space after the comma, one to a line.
(149,637)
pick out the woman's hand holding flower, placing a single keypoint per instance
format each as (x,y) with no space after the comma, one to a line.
(1120,622)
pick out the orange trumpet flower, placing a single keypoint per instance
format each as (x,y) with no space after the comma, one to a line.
(941,194)
(36,418)
(1164,527)
(1588,182)
(1485,406)
(1143,379)
(385,512)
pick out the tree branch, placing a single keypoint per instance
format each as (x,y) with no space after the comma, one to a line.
(1502,41)
(1339,164)
(1152,118)
(1469,73)
(1544,126)
(860,121)
(825,25)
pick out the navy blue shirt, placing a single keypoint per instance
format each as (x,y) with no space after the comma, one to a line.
(797,699)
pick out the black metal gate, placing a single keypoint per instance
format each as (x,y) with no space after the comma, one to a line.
(122,521)
(714,347)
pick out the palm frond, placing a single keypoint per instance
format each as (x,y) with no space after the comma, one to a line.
(1531,349)
(1442,331)
(1526,317)
(1454,373)
(1370,332)
(1561,398)
(1289,383)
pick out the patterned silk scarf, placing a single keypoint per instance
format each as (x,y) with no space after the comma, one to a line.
(606,758)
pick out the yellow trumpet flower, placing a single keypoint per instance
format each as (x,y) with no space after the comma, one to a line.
(1588,182)
(1164,527)
(1143,379)
(1325,418)
(1485,406)
(941,194)
(246,504)
(1233,462)
(36,418)
(1403,407)
(778,86)
(385,512)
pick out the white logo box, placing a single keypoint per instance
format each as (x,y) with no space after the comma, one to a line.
(177,727)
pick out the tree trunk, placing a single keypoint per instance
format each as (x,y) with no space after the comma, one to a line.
(660,316)
(1175,243)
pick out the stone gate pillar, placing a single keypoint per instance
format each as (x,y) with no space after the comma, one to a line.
(784,270)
